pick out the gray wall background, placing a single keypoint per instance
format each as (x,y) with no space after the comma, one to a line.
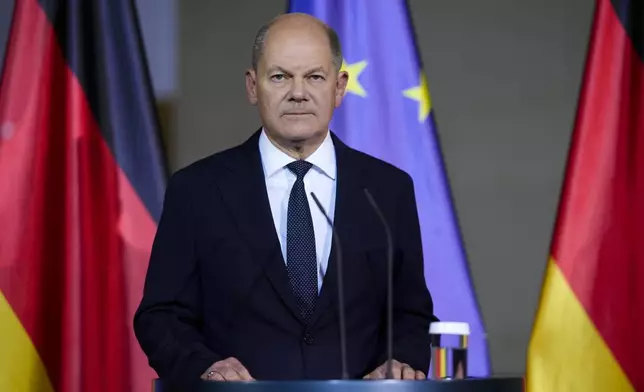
(504,77)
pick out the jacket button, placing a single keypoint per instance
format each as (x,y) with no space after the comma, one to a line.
(308,339)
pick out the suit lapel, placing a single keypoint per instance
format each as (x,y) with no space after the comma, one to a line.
(245,192)
(349,198)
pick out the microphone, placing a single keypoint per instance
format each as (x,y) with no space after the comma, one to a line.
(390,284)
(338,257)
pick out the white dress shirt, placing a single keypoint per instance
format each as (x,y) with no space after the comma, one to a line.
(320,179)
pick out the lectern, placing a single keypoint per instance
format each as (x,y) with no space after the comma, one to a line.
(501,384)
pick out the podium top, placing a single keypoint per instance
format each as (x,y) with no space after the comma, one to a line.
(501,384)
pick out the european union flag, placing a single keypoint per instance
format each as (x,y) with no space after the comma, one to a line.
(387,113)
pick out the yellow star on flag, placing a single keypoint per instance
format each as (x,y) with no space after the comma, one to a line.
(420,93)
(354,70)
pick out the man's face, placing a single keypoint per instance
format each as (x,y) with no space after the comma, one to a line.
(296,86)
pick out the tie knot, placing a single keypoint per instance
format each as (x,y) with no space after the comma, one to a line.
(299,168)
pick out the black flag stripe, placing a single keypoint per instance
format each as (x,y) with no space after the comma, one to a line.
(631,14)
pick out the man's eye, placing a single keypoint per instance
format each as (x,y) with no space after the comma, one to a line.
(317,77)
(278,77)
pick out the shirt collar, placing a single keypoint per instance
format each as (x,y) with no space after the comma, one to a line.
(274,159)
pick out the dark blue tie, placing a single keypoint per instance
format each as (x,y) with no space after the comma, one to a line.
(301,259)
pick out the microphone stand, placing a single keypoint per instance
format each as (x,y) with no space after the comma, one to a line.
(390,284)
(338,254)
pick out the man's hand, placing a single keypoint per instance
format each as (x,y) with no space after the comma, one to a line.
(229,369)
(400,371)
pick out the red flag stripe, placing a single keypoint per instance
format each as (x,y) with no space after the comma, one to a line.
(136,229)
(31,71)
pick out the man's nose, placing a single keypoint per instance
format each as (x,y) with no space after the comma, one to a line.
(298,90)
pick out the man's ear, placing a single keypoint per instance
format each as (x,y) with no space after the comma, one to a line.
(341,87)
(251,86)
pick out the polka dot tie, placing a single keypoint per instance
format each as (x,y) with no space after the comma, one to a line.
(301,259)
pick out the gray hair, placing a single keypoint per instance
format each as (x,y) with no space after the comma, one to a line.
(260,42)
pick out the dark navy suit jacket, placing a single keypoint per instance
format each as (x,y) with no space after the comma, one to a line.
(217,285)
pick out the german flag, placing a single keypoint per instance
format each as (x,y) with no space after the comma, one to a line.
(588,332)
(81,186)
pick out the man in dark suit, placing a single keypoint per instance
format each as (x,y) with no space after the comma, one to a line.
(242,278)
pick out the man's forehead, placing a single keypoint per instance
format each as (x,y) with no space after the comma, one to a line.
(299,43)
(298,56)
